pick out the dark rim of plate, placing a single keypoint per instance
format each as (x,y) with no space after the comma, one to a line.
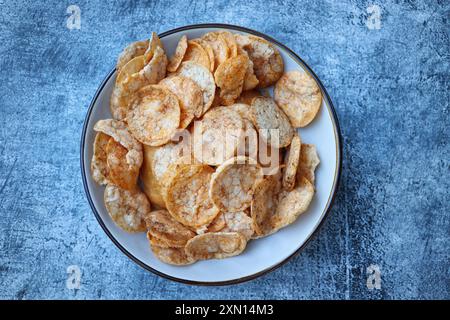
(260,273)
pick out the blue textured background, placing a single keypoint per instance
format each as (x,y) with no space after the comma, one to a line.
(391,91)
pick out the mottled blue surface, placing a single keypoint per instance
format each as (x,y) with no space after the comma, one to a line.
(390,87)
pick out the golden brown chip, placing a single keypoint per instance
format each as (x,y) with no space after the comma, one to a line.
(120,172)
(291,161)
(264,203)
(308,162)
(208,49)
(250,79)
(154,115)
(127,208)
(153,44)
(187,196)
(231,43)
(119,97)
(133,50)
(272,124)
(161,225)
(217,224)
(247,96)
(190,97)
(233,183)
(119,131)
(155,241)
(298,94)
(238,222)
(292,203)
(267,62)
(219,46)
(197,54)
(203,78)
(217,135)
(215,245)
(229,77)
(175,256)
(178,56)
(152,73)
(99,167)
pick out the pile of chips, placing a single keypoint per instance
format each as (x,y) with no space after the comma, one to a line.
(183,156)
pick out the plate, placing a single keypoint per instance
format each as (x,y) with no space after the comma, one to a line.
(260,256)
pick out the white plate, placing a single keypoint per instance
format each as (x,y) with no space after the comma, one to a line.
(261,255)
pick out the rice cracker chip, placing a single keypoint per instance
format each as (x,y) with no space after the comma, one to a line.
(217,136)
(209,51)
(264,203)
(203,78)
(238,222)
(190,97)
(267,62)
(178,56)
(298,94)
(133,50)
(174,256)
(122,172)
(161,225)
(309,160)
(219,46)
(120,97)
(197,54)
(233,183)
(99,167)
(247,96)
(127,208)
(187,196)
(154,115)
(272,124)
(291,161)
(215,245)
(154,43)
(229,77)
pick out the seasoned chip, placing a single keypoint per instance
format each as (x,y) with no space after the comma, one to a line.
(272,124)
(133,50)
(265,202)
(178,56)
(154,115)
(161,225)
(175,256)
(127,208)
(217,135)
(155,241)
(238,222)
(291,160)
(153,44)
(215,245)
(267,61)
(298,94)
(249,145)
(187,196)
(121,172)
(217,224)
(99,167)
(152,73)
(203,78)
(118,130)
(229,77)
(292,203)
(197,54)
(247,96)
(209,51)
(233,183)
(308,162)
(189,96)
(219,46)
(120,96)
(156,163)
(231,43)
(250,79)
